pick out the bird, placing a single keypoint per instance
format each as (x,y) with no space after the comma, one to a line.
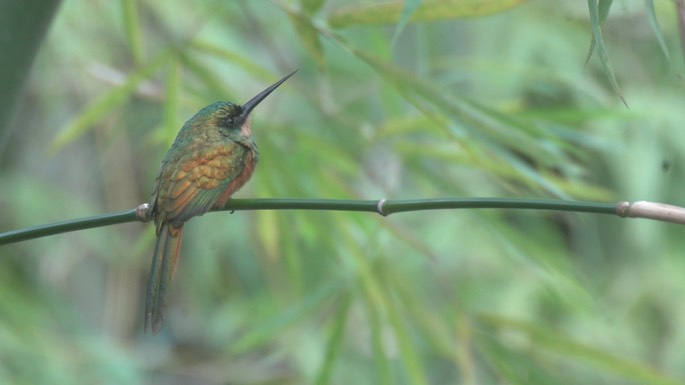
(213,155)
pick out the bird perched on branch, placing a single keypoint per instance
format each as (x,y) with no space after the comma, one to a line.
(212,157)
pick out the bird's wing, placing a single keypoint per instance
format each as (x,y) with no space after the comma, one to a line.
(190,184)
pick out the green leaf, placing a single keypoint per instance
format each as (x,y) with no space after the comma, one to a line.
(264,331)
(393,12)
(214,84)
(311,6)
(603,8)
(595,18)
(108,102)
(381,359)
(651,13)
(248,64)
(410,6)
(310,39)
(173,91)
(408,351)
(23,25)
(680,10)
(335,341)
(580,352)
(129,9)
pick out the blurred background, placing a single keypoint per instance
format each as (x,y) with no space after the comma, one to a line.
(480,98)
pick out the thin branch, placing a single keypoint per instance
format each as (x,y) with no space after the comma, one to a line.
(67,226)
(641,209)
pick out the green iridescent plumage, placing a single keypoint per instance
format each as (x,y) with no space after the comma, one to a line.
(213,156)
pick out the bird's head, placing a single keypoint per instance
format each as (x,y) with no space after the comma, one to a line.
(233,120)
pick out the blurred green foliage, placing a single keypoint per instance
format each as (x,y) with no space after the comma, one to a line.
(491,100)
(23,26)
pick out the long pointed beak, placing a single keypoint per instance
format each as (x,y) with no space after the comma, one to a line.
(252,103)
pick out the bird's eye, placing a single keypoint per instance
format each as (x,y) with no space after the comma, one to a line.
(230,121)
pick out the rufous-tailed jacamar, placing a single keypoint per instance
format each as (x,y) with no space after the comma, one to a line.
(213,155)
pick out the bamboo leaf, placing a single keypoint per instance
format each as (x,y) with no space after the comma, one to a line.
(310,39)
(581,352)
(595,17)
(408,352)
(102,106)
(409,8)
(392,12)
(312,6)
(382,363)
(651,13)
(249,65)
(603,8)
(680,9)
(171,101)
(265,330)
(214,84)
(23,25)
(335,340)
(129,10)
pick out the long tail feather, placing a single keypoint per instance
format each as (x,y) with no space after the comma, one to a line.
(164,261)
